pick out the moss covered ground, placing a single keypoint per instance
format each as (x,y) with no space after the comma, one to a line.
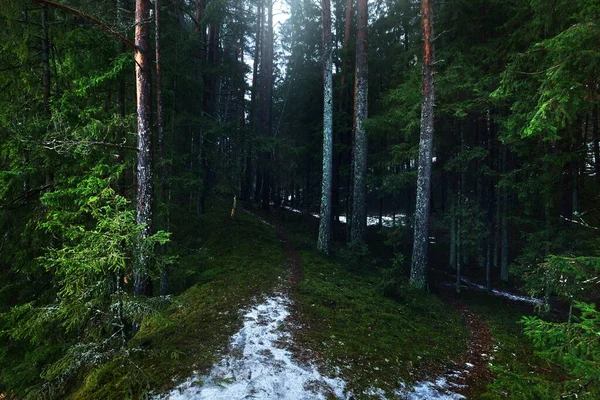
(234,261)
(349,327)
(354,330)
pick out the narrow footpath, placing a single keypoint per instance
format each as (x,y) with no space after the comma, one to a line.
(263,362)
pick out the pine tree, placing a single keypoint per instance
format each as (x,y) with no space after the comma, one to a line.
(418,272)
(325,222)
(359,206)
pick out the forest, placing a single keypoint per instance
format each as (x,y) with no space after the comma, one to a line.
(299,199)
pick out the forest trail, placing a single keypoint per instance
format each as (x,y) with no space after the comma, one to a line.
(262,360)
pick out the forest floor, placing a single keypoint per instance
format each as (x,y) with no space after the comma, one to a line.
(264,361)
(262,314)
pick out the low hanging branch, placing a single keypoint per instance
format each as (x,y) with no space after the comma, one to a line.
(91,19)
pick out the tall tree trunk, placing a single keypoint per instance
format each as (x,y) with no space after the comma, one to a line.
(418,273)
(160,126)
(268,106)
(121,89)
(459,250)
(359,206)
(346,60)
(144,200)
(325,221)
(253,107)
(453,232)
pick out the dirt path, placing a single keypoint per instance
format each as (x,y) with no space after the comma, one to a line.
(479,354)
(264,362)
(259,362)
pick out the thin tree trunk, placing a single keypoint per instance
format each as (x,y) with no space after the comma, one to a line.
(596,144)
(346,59)
(325,221)
(268,105)
(47,84)
(252,112)
(359,206)
(160,125)
(121,89)
(452,261)
(504,229)
(459,250)
(418,273)
(143,75)
(488,265)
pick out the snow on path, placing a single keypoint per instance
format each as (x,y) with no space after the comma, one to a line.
(258,367)
(440,389)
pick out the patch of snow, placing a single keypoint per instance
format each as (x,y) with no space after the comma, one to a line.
(427,390)
(294,210)
(264,221)
(506,295)
(258,367)
(387,221)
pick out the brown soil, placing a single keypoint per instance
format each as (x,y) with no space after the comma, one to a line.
(478,354)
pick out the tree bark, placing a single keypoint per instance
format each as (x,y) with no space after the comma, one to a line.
(346,60)
(452,261)
(46,60)
(160,126)
(252,112)
(268,106)
(504,228)
(121,89)
(325,221)
(144,201)
(418,273)
(359,207)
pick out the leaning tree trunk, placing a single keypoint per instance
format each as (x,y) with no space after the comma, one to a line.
(144,144)
(325,222)
(359,206)
(418,272)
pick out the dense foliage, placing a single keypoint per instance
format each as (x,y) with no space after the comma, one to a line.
(515,180)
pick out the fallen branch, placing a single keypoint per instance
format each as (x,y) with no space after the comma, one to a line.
(91,19)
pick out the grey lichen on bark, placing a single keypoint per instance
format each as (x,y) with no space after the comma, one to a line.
(144,145)
(324,240)
(418,272)
(359,193)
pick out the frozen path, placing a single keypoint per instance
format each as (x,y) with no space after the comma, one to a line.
(258,366)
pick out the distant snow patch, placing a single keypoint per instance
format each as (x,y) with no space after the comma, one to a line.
(504,294)
(387,221)
(258,367)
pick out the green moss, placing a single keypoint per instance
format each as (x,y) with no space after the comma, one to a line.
(373,341)
(238,260)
